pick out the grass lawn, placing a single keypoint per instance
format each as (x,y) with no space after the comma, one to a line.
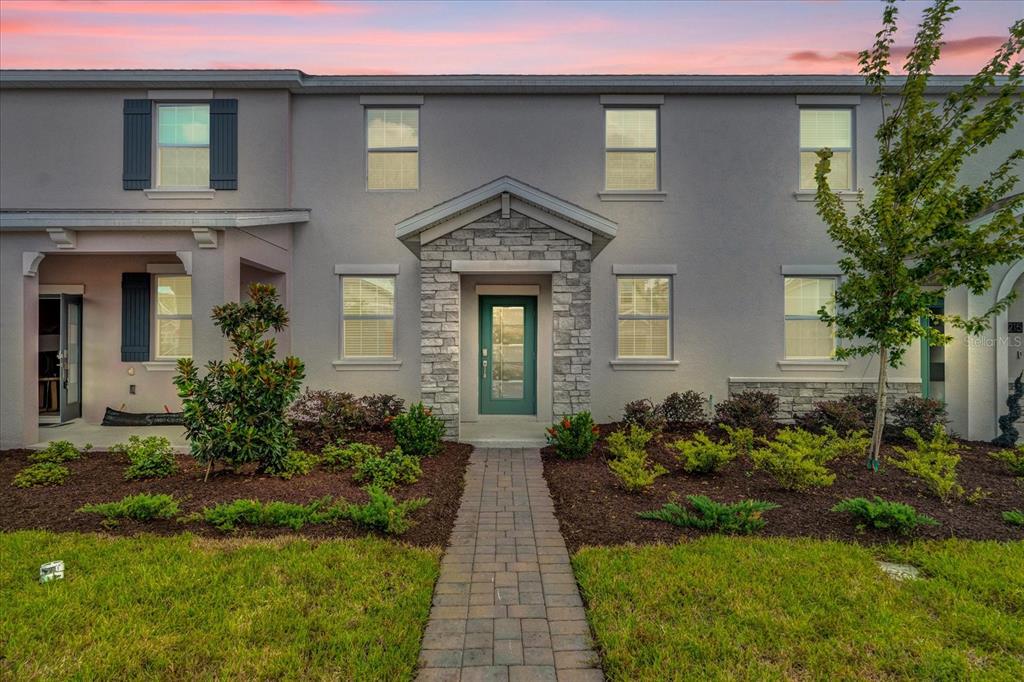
(183,607)
(740,608)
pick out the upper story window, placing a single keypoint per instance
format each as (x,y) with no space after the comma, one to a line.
(644,317)
(173,316)
(631,149)
(807,337)
(183,146)
(832,128)
(368,317)
(392,149)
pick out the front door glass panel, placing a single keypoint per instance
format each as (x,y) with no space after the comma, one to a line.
(508,355)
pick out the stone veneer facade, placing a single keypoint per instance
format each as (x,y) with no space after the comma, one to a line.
(798,397)
(495,238)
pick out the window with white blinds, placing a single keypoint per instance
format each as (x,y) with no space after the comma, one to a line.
(631,149)
(807,337)
(392,149)
(183,145)
(368,317)
(644,317)
(173,317)
(832,128)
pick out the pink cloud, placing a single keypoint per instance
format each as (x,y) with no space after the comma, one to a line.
(190,7)
(957,47)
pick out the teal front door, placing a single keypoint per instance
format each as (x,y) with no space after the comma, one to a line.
(508,355)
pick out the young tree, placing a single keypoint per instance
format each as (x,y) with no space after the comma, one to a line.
(235,414)
(925,231)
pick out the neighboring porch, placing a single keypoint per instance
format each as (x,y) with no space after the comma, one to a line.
(81,433)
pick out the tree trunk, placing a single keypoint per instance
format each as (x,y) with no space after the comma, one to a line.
(876,434)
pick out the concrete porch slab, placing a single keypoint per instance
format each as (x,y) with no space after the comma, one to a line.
(504,431)
(102,437)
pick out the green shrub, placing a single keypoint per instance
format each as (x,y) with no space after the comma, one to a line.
(347,455)
(380,409)
(796,459)
(297,463)
(741,518)
(227,516)
(644,413)
(632,438)
(574,437)
(141,507)
(150,457)
(1014,517)
(749,410)
(742,440)
(702,455)
(884,515)
(681,409)
(853,444)
(848,414)
(235,414)
(920,414)
(934,462)
(418,432)
(634,470)
(321,417)
(388,470)
(1012,458)
(383,513)
(43,473)
(56,452)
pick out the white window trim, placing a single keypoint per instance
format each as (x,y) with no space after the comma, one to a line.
(366,362)
(809,363)
(654,194)
(639,362)
(158,191)
(391,150)
(160,361)
(850,193)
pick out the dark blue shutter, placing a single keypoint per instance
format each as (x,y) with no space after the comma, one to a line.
(135,316)
(138,143)
(224,144)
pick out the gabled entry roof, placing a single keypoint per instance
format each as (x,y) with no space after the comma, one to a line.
(506,194)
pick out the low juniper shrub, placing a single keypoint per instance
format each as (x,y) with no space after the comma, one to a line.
(796,459)
(884,515)
(141,507)
(574,437)
(933,461)
(739,518)
(644,413)
(741,440)
(754,410)
(634,470)
(57,452)
(702,455)
(388,470)
(1014,459)
(343,455)
(920,414)
(418,432)
(295,463)
(150,457)
(1014,517)
(382,513)
(853,444)
(227,516)
(684,409)
(380,409)
(632,437)
(41,474)
(322,417)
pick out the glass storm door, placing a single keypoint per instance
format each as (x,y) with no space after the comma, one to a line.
(508,355)
(70,357)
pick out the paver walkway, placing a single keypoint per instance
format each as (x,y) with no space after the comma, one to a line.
(506,606)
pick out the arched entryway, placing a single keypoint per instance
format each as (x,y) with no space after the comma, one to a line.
(1009,336)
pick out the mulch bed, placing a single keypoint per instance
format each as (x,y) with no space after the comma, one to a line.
(593,509)
(99,477)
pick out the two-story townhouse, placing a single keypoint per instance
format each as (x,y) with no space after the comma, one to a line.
(505,248)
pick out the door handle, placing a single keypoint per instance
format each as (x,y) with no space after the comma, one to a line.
(485,369)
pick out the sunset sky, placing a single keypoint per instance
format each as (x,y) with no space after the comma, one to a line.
(323,37)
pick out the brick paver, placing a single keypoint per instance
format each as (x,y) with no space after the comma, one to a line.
(506,606)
